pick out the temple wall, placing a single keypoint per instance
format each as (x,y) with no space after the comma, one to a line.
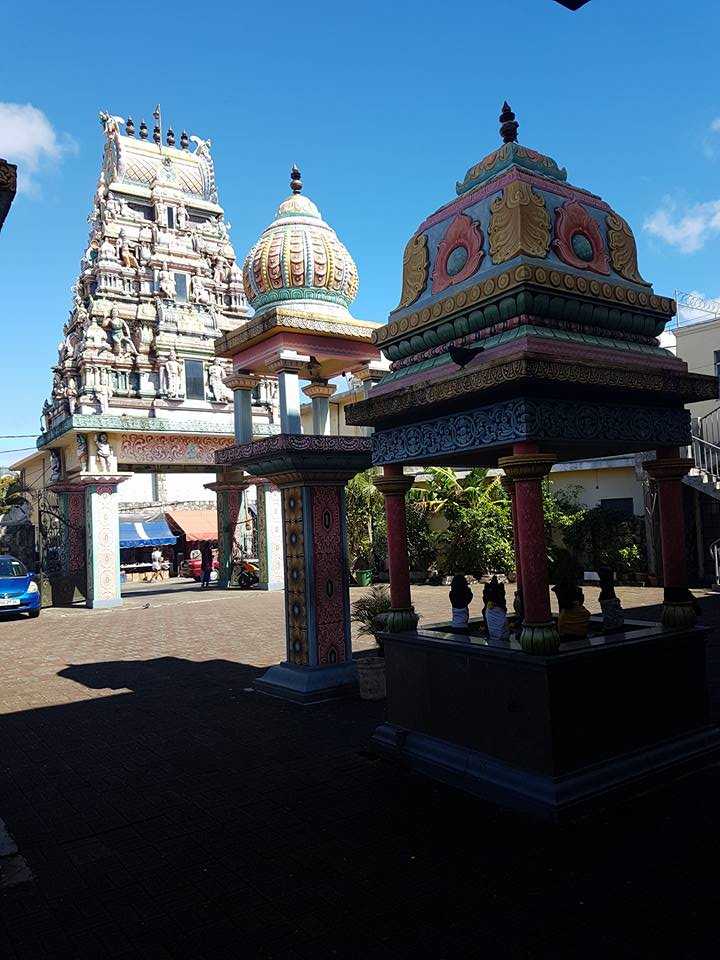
(601,484)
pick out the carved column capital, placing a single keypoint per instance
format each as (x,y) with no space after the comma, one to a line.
(320,389)
(671,468)
(527,466)
(242,381)
(394,486)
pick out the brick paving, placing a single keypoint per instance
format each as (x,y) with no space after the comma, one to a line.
(164,810)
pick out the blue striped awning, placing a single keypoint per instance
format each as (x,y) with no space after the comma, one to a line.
(143,530)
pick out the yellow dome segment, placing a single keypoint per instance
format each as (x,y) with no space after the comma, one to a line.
(299,257)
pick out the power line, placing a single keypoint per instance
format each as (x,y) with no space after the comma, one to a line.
(18,436)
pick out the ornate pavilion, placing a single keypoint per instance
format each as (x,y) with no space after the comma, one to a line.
(525,334)
(301,281)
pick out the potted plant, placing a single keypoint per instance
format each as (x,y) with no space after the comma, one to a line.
(370,611)
(362,565)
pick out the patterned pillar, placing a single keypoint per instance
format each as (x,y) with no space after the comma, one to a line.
(527,468)
(317,600)
(509,488)
(667,472)
(394,485)
(229,500)
(320,392)
(242,386)
(288,366)
(102,544)
(270,542)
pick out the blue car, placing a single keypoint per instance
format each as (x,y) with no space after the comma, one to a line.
(18,591)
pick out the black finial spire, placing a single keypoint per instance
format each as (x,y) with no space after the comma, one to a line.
(295,181)
(508,124)
(157,136)
(143,130)
(184,140)
(130,127)
(170,137)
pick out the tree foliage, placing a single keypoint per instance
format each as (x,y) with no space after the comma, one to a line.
(13,493)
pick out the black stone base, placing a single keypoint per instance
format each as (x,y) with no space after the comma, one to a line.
(555,735)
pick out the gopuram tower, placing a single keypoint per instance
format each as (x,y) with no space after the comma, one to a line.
(137,388)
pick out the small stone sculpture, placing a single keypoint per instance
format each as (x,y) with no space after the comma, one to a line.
(216,375)
(495,610)
(166,283)
(104,453)
(574,618)
(55,466)
(460,597)
(171,376)
(612,612)
(81,445)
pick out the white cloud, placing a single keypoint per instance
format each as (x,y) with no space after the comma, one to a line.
(689,228)
(28,139)
(715,125)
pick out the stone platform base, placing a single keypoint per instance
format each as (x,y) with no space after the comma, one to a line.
(550,798)
(550,735)
(308,684)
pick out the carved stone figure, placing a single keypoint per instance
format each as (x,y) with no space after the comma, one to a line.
(95,338)
(171,376)
(104,453)
(71,394)
(219,271)
(45,417)
(166,283)
(198,292)
(55,466)
(81,446)
(216,375)
(182,217)
(108,250)
(103,388)
(127,257)
(120,334)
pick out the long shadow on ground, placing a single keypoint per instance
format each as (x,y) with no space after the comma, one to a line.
(193,818)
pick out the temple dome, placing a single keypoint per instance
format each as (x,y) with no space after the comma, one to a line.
(299,257)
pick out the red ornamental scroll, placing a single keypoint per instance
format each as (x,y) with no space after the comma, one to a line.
(459,253)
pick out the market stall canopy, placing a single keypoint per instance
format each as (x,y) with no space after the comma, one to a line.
(197,525)
(144,530)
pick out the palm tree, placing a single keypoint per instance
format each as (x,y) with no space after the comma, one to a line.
(446,489)
(13,493)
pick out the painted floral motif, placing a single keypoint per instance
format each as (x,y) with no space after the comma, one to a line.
(578,241)
(623,252)
(415,269)
(459,253)
(328,566)
(519,224)
(295,602)
(148,448)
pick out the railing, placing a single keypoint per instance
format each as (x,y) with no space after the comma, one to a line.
(715,553)
(707,457)
(708,426)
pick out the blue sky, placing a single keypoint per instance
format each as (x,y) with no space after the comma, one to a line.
(383,106)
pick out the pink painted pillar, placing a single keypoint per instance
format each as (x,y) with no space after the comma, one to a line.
(509,487)
(668,470)
(527,468)
(394,485)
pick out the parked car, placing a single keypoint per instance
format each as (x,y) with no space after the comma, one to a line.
(18,591)
(192,568)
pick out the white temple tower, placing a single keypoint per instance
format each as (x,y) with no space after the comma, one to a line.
(137,389)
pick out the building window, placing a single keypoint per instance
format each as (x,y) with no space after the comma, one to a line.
(134,382)
(716,357)
(194,380)
(623,506)
(181,287)
(171,217)
(147,212)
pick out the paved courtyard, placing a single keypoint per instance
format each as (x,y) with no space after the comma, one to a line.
(162,809)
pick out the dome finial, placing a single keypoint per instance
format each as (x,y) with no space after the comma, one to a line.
(508,124)
(295,181)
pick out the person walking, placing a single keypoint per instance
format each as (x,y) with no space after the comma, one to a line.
(206,564)
(157,564)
